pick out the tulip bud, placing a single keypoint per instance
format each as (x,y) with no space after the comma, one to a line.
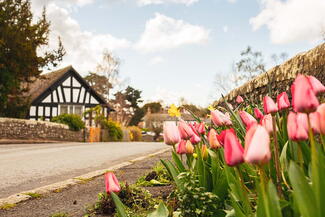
(213,141)
(195,155)
(269,105)
(297,126)
(195,139)
(283,101)
(111,183)
(239,99)
(257,145)
(233,150)
(257,113)
(321,112)
(221,136)
(267,122)
(220,119)
(181,147)
(189,147)
(247,119)
(315,121)
(200,128)
(171,133)
(204,152)
(303,95)
(316,85)
(185,130)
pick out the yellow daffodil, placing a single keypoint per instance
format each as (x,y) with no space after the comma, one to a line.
(173,111)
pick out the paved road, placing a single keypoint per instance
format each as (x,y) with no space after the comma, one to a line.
(28,166)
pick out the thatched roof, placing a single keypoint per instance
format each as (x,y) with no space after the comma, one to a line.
(44,81)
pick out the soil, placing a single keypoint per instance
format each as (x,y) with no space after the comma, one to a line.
(75,199)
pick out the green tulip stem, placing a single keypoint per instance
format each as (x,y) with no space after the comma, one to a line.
(322,137)
(263,187)
(242,182)
(276,157)
(300,157)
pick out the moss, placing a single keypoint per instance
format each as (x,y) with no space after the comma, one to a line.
(7,206)
(33,195)
(60,214)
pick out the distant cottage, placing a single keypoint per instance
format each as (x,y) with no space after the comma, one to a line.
(62,91)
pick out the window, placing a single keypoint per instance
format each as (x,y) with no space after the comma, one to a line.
(78,110)
(71,109)
(63,109)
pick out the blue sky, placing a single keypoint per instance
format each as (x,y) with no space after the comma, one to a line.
(174,48)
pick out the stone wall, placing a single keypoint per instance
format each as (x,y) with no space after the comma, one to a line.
(281,77)
(38,131)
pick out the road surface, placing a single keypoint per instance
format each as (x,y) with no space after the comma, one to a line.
(28,166)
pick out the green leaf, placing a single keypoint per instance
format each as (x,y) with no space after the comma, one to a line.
(178,162)
(302,192)
(173,172)
(273,201)
(161,211)
(119,205)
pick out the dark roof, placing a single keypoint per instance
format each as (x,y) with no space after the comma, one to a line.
(45,81)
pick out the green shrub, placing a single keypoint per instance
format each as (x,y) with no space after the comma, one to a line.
(135,133)
(73,121)
(194,200)
(114,129)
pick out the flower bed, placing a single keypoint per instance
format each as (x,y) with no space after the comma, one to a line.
(269,165)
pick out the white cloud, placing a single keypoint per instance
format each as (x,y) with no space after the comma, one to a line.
(291,20)
(162,33)
(83,48)
(149,2)
(225,29)
(156,60)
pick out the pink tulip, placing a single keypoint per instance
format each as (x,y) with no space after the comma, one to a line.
(247,119)
(321,111)
(303,96)
(258,114)
(200,128)
(181,147)
(233,150)
(267,122)
(257,145)
(185,130)
(239,99)
(222,135)
(297,126)
(283,101)
(316,85)
(213,141)
(195,139)
(171,133)
(189,147)
(220,119)
(111,183)
(315,121)
(269,105)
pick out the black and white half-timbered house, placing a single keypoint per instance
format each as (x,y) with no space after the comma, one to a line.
(63,91)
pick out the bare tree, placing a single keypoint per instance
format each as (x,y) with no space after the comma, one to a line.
(251,64)
(225,82)
(110,68)
(278,59)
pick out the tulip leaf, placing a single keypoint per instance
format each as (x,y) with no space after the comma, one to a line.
(302,192)
(273,201)
(161,211)
(178,162)
(119,205)
(172,172)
